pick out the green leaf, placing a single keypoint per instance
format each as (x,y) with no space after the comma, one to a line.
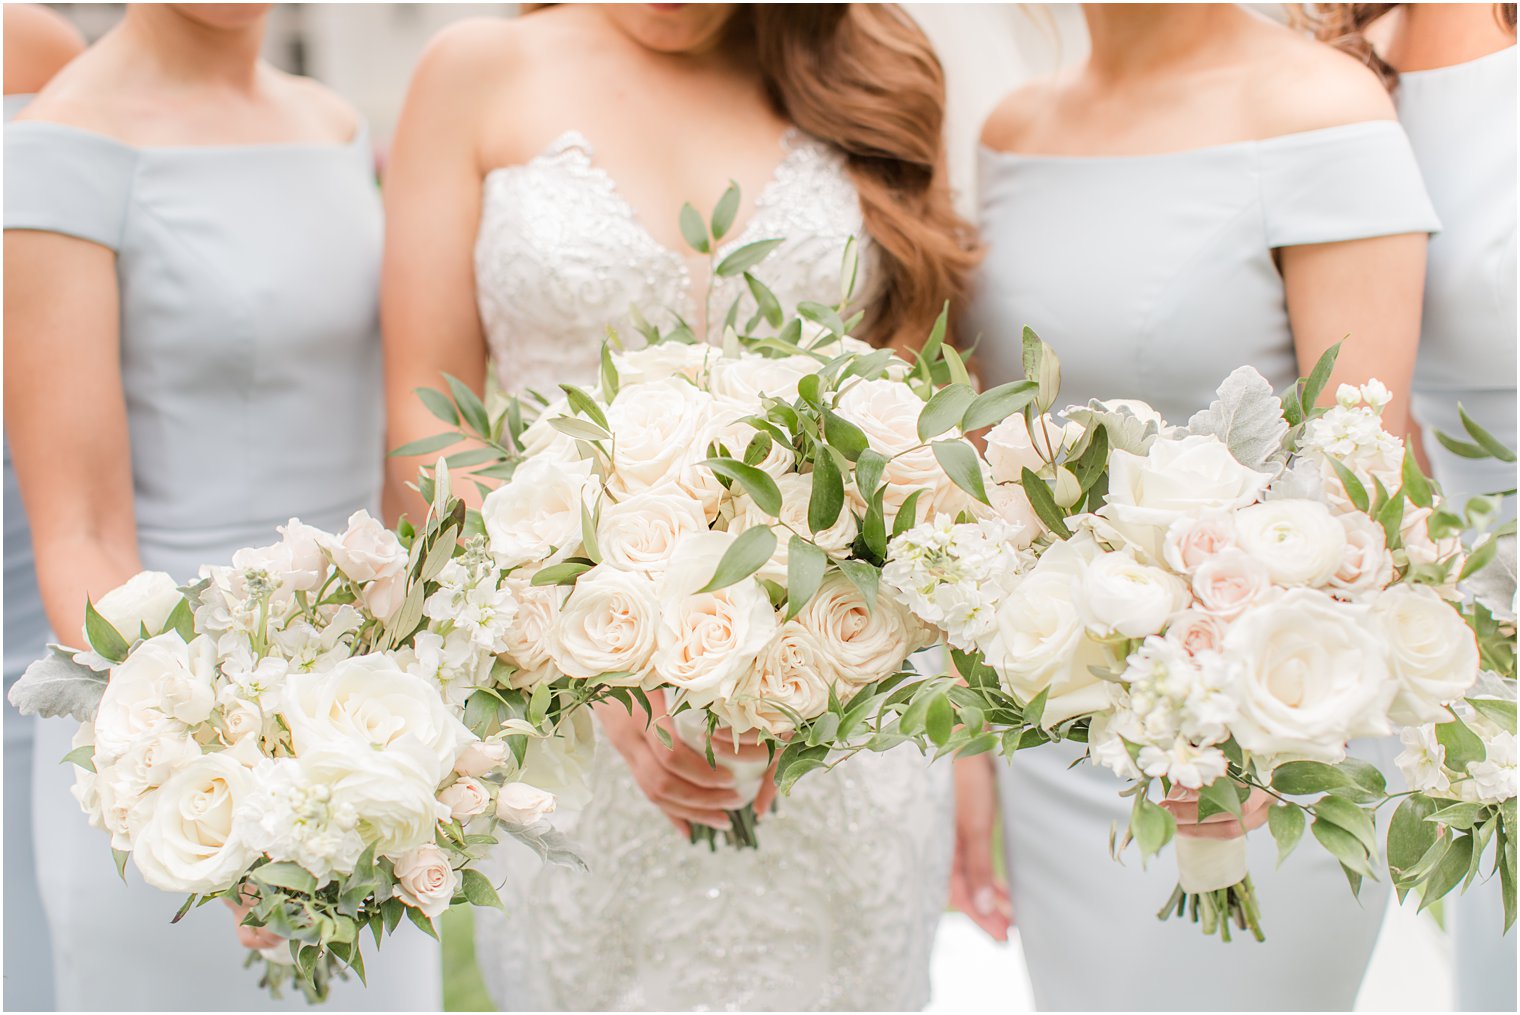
(588,535)
(1498,711)
(478,889)
(438,404)
(1034,712)
(746,257)
(1152,826)
(944,410)
(1410,836)
(805,564)
(844,436)
(959,462)
(827,498)
(1481,556)
(285,875)
(761,488)
(955,366)
(1044,503)
(765,300)
(1460,815)
(1449,872)
(1354,488)
(1460,448)
(104,639)
(873,527)
(580,429)
(1463,746)
(560,574)
(1485,440)
(1349,816)
(725,210)
(996,404)
(419,918)
(181,620)
(1315,383)
(471,409)
(1306,778)
(1344,846)
(426,445)
(694,230)
(1221,798)
(865,578)
(1286,823)
(868,469)
(934,345)
(609,376)
(907,515)
(83,757)
(585,405)
(939,720)
(746,555)
(1416,486)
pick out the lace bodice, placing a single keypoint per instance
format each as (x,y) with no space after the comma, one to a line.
(561,254)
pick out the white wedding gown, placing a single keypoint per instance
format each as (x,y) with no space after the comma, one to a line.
(838,907)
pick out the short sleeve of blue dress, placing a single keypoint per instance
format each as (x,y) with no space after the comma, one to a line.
(61,180)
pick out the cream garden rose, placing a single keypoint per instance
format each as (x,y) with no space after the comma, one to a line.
(145,601)
(606,628)
(865,643)
(641,532)
(527,639)
(887,413)
(796,490)
(369,552)
(520,803)
(163,680)
(1013,446)
(185,839)
(536,515)
(655,428)
(794,671)
(425,880)
(1430,649)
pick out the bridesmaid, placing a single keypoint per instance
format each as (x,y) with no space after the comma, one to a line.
(38,42)
(1207,189)
(1453,68)
(192,251)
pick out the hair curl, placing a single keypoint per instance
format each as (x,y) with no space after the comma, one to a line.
(1344,26)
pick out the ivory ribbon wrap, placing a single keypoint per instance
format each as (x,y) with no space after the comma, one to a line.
(691,727)
(1207,865)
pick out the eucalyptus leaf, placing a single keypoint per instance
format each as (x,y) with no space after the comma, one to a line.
(746,257)
(761,488)
(827,498)
(694,230)
(805,565)
(1286,823)
(944,410)
(725,211)
(960,463)
(996,404)
(746,555)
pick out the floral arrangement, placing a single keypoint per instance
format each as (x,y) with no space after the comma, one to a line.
(283,734)
(1217,610)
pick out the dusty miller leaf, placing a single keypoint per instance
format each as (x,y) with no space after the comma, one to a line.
(1126,431)
(1247,417)
(56,685)
(547,841)
(1494,585)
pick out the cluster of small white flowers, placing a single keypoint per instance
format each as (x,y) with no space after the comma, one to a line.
(1176,708)
(1351,433)
(1489,780)
(952,576)
(290,817)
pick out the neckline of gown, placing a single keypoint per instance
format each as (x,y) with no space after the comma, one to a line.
(1227,147)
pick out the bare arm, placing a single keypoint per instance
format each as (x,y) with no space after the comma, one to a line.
(66,419)
(427,305)
(1368,292)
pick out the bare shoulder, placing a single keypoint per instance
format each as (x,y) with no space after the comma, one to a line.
(38,42)
(333,115)
(474,54)
(1299,84)
(1011,120)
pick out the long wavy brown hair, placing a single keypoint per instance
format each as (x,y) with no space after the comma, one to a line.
(863,78)
(1344,26)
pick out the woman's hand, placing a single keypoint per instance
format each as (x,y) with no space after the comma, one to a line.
(252,938)
(677,779)
(1183,803)
(974,889)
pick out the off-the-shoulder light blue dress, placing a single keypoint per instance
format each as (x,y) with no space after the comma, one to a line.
(1461,121)
(250,359)
(1153,277)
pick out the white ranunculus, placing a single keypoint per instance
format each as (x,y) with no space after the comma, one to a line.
(641,532)
(1013,447)
(146,600)
(1308,674)
(1196,474)
(465,798)
(370,700)
(186,840)
(865,644)
(1193,539)
(796,492)
(1120,595)
(163,679)
(660,436)
(519,803)
(606,626)
(536,515)
(392,793)
(795,671)
(1299,541)
(655,363)
(1230,582)
(527,640)
(749,377)
(1366,565)
(425,880)
(706,641)
(887,412)
(1430,649)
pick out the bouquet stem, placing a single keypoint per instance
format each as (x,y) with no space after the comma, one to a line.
(1214,888)
(740,833)
(691,727)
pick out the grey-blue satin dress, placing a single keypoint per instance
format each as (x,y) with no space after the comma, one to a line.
(1461,121)
(1153,277)
(250,360)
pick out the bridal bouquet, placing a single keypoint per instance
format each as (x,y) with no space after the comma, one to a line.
(285,733)
(710,522)
(1217,610)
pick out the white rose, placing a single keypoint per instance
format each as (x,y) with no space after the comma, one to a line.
(661,432)
(606,627)
(864,644)
(186,839)
(163,679)
(1120,595)
(751,377)
(706,641)
(541,440)
(1193,539)
(887,413)
(1147,493)
(779,459)
(306,564)
(640,533)
(796,492)
(527,639)
(366,551)
(1419,548)
(536,515)
(425,880)
(1196,632)
(1229,582)
(146,600)
(1366,565)
(518,803)
(392,792)
(666,359)
(795,671)
(1308,674)
(1299,541)
(1012,447)
(1010,504)
(152,760)
(370,700)
(1430,649)
(465,798)
(481,757)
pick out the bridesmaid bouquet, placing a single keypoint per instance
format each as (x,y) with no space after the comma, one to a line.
(710,522)
(1217,610)
(286,733)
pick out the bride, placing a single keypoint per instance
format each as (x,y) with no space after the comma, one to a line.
(532,199)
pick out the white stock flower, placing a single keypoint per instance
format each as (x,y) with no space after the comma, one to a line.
(453,662)
(1299,541)
(290,817)
(146,600)
(162,680)
(1120,595)
(1308,675)
(1430,649)
(185,839)
(1012,447)
(518,803)
(1187,766)
(425,880)
(536,515)
(864,644)
(641,532)
(953,576)
(606,628)
(1493,778)
(1230,582)
(1423,760)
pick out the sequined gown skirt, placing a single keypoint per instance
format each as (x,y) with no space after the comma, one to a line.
(836,910)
